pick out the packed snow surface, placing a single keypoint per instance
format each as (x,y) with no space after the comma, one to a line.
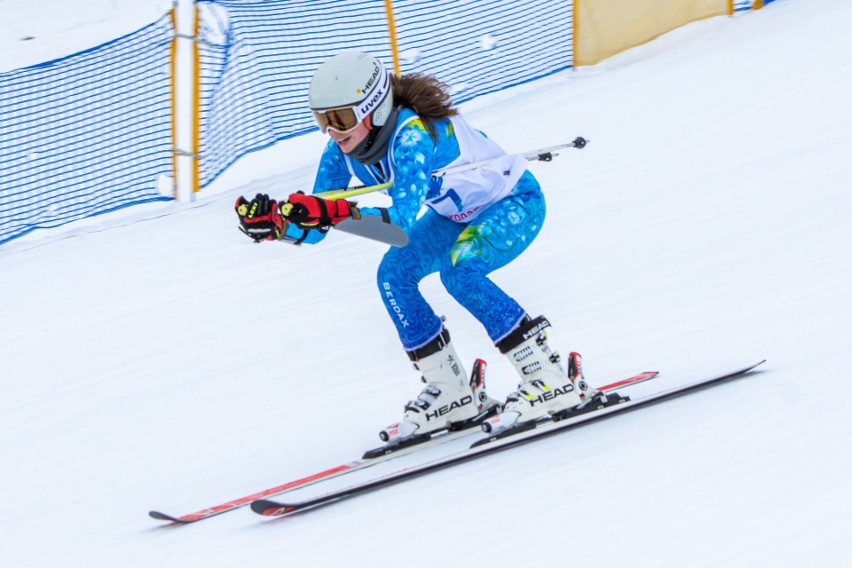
(158,359)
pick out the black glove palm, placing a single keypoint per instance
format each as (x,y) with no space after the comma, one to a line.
(261,218)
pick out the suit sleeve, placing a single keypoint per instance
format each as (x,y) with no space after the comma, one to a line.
(413,154)
(332,174)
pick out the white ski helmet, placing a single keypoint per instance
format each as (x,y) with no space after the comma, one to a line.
(349,88)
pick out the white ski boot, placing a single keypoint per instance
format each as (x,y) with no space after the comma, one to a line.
(545,387)
(449,400)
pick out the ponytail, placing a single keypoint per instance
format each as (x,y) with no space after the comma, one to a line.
(426,95)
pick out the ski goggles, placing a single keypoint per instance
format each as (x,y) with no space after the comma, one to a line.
(346,118)
(342,119)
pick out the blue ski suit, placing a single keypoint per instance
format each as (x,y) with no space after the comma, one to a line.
(475,222)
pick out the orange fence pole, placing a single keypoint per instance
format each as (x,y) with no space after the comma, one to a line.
(392,32)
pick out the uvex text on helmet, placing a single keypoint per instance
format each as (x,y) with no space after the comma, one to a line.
(353,79)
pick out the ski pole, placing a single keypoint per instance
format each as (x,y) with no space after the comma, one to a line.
(540,155)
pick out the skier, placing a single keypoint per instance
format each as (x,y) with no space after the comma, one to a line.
(383,128)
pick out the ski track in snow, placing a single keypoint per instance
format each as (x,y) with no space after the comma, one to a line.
(157,359)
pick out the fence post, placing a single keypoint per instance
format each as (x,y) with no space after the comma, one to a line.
(185,107)
(575,25)
(392,34)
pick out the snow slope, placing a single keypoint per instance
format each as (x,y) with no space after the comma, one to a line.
(28,37)
(160,360)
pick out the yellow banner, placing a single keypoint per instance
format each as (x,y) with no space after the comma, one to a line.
(607,27)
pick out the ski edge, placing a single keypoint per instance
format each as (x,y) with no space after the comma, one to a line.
(548,428)
(306,481)
(271,508)
(262,496)
(242,501)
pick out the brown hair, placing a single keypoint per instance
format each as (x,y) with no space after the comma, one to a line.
(424,94)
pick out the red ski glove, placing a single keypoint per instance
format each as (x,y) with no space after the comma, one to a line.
(261,218)
(312,212)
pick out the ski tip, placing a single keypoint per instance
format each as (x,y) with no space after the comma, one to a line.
(163,517)
(748,369)
(269,508)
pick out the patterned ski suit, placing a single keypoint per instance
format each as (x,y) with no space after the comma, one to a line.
(476,222)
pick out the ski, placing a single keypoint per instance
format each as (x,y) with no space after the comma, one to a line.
(379,455)
(370,458)
(495,444)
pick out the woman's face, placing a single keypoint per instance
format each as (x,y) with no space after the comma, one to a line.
(349,141)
